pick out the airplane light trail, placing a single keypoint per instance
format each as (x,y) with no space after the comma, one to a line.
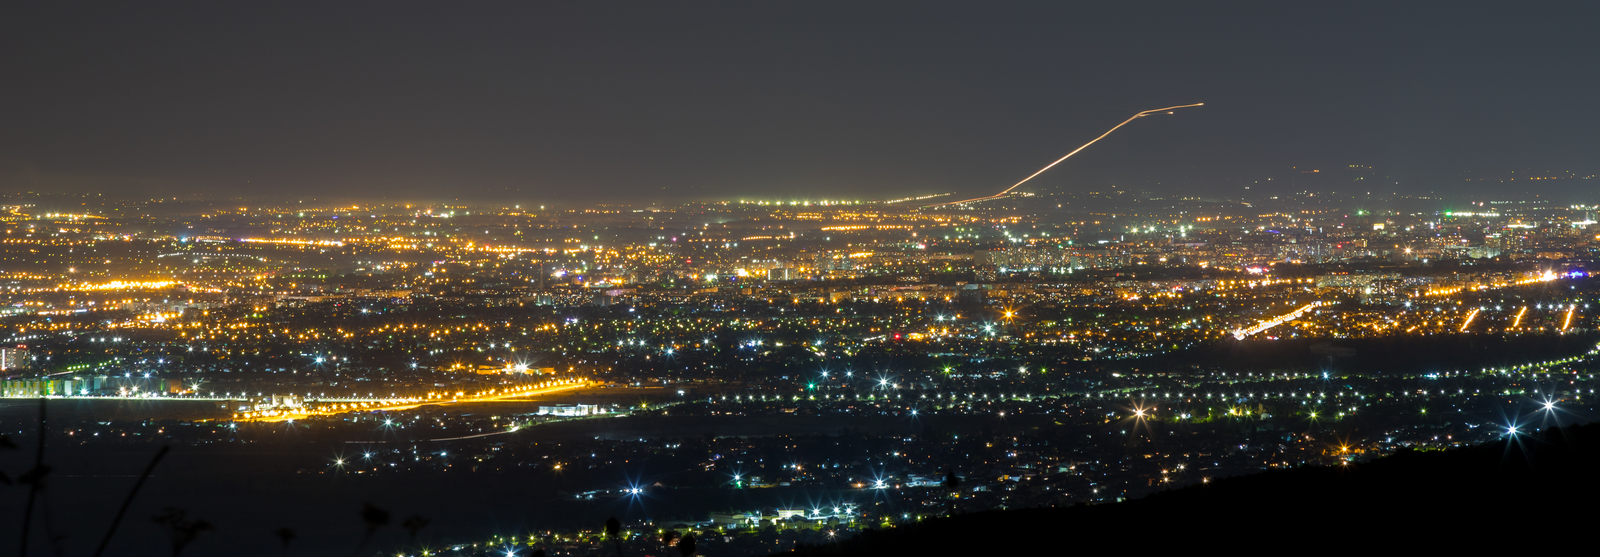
(1469,320)
(1074,152)
(1514,324)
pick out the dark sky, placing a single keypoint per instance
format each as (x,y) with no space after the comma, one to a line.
(536,101)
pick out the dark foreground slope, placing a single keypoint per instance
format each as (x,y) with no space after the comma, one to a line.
(1530,491)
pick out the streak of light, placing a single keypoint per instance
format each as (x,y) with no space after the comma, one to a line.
(1074,152)
(122,285)
(1469,320)
(1518,321)
(292,242)
(1279,320)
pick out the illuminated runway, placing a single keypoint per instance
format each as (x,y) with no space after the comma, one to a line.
(1469,320)
(284,414)
(1279,320)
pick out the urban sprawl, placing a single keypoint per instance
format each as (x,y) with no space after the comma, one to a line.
(899,359)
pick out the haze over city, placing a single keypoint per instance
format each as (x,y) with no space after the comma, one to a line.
(665,102)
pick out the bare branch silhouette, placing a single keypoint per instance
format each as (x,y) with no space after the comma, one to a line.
(34,478)
(129,501)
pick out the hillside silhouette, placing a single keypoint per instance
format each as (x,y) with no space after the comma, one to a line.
(1528,490)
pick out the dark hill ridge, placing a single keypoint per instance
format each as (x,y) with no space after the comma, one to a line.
(1525,492)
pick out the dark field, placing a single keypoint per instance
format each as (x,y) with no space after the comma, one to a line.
(249,493)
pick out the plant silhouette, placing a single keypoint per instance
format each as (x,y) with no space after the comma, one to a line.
(953,485)
(117,520)
(285,535)
(614,531)
(183,532)
(34,478)
(375,518)
(413,525)
(6,444)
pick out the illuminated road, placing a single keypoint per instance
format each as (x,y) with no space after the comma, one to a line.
(1074,152)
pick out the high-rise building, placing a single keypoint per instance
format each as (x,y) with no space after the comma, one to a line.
(14,358)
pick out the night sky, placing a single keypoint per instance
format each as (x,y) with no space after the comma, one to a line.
(596,101)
